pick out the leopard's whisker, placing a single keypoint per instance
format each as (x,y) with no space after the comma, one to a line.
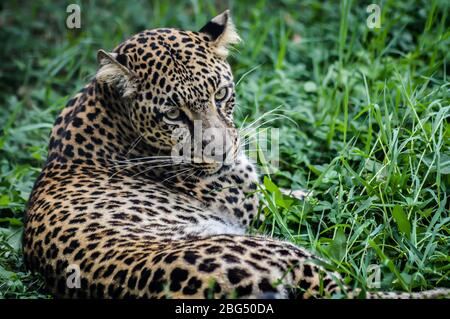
(193,173)
(137,162)
(134,144)
(178,172)
(148,166)
(255,134)
(261,117)
(161,164)
(133,160)
(254,128)
(253,137)
(153,167)
(130,165)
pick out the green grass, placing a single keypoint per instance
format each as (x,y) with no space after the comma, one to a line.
(371,108)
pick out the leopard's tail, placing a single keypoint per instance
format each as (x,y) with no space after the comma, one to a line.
(438,293)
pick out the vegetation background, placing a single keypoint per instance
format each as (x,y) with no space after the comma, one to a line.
(371,113)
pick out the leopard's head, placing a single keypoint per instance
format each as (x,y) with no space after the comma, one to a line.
(179,91)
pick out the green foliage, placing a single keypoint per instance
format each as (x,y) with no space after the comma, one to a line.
(371,138)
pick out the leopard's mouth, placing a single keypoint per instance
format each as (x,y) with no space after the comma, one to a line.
(203,164)
(212,169)
(212,165)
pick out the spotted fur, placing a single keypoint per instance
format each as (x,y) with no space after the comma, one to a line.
(139,230)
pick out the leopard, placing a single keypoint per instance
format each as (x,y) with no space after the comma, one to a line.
(115,205)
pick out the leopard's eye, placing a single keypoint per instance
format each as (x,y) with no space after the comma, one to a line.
(221,94)
(173,114)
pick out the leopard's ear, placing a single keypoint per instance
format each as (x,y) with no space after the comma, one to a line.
(222,33)
(114,71)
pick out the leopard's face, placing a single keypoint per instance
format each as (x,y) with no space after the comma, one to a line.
(179,92)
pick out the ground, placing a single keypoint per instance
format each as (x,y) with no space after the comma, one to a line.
(365,121)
